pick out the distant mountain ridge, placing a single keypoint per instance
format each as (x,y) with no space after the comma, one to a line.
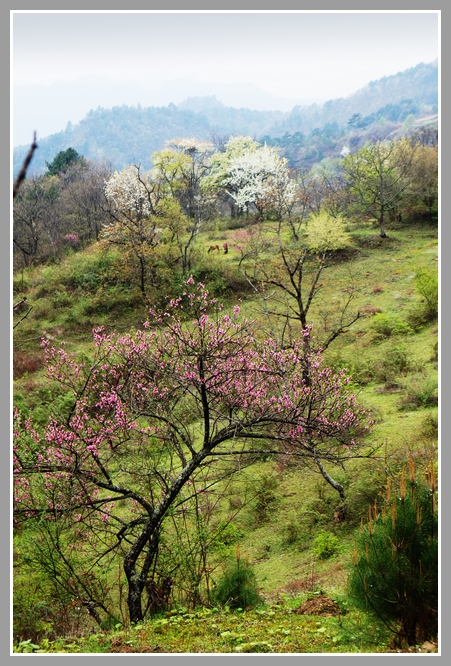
(48,108)
(131,134)
(418,84)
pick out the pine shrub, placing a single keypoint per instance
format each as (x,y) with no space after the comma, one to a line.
(395,562)
(238,586)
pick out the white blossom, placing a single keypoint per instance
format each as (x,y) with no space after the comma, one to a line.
(260,176)
(128,194)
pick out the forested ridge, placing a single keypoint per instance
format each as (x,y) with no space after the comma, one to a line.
(124,134)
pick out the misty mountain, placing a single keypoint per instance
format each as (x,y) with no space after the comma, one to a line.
(131,133)
(48,108)
(418,86)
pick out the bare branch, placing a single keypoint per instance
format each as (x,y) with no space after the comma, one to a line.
(26,164)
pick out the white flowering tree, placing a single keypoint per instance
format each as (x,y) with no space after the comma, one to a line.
(135,200)
(253,175)
(218,180)
(262,178)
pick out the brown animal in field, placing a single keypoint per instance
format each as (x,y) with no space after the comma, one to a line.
(212,248)
(226,248)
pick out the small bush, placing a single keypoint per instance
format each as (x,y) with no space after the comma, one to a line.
(42,309)
(427,286)
(420,392)
(266,499)
(91,271)
(62,299)
(291,529)
(386,325)
(361,371)
(429,426)
(325,233)
(238,586)
(326,545)
(394,362)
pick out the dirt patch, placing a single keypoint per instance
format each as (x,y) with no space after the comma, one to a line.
(117,646)
(427,647)
(320,605)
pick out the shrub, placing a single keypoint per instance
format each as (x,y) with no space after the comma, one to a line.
(420,392)
(238,586)
(91,271)
(361,370)
(387,325)
(326,233)
(427,286)
(326,545)
(266,500)
(292,529)
(395,564)
(395,361)
(429,426)
(61,300)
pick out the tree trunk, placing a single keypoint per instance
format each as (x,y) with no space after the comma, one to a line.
(135,589)
(382,225)
(408,630)
(149,537)
(143,276)
(137,581)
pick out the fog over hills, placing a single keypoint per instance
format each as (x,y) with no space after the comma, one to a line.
(48,108)
(130,133)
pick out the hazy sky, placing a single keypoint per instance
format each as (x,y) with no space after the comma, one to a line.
(292,54)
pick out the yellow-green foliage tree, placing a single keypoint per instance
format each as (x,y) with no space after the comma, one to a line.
(179,168)
(287,268)
(325,233)
(380,177)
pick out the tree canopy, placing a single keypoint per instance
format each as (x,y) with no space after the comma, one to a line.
(151,410)
(62,161)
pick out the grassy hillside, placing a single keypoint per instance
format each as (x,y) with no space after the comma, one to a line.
(284,521)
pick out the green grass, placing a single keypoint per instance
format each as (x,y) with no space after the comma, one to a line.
(275,628)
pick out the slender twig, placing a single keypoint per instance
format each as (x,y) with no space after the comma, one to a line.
(23,171)
(24,317)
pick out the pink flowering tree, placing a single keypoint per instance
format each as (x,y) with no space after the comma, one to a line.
(153,410)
